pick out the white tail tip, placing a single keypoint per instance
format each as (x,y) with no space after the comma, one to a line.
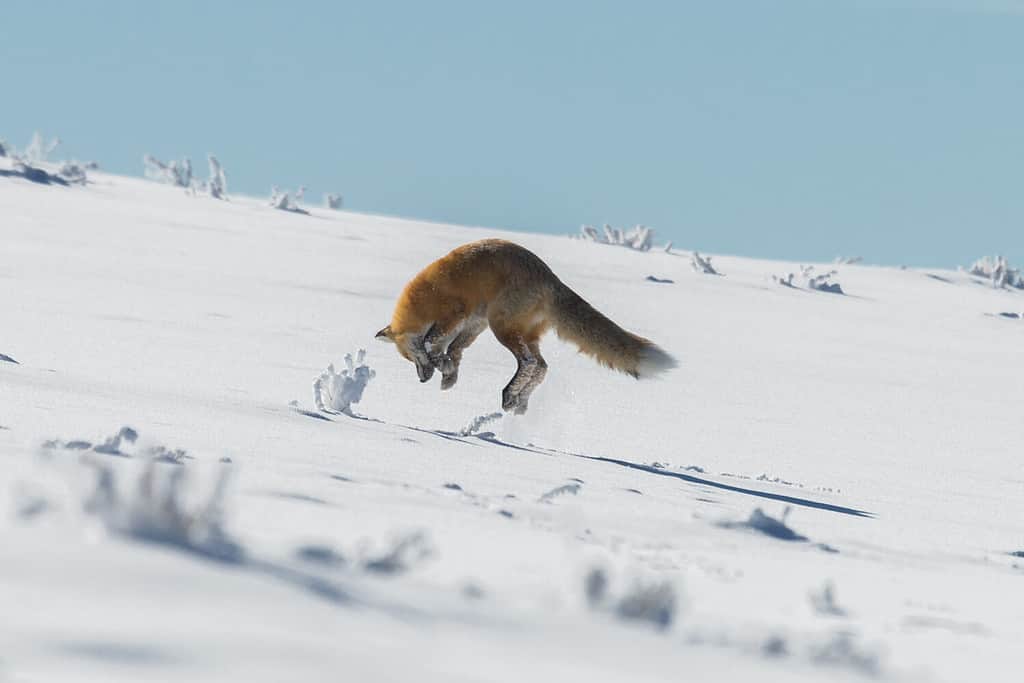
(653,361)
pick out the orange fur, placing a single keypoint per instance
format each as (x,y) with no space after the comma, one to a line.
(520,298)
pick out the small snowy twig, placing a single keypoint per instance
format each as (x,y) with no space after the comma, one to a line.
(478,422)
(702,264)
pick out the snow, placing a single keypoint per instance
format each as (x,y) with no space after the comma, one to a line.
(826,488)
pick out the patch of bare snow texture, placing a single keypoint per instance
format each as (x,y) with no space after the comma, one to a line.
(335,392)
(417,545)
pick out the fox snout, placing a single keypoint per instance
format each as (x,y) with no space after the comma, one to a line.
(425,372)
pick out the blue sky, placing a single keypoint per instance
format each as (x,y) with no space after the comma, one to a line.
(782,129)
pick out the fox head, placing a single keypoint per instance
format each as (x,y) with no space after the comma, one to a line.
(410,347)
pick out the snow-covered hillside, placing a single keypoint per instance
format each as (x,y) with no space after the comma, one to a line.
(829,486)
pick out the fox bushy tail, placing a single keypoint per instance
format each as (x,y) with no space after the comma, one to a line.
(580,323)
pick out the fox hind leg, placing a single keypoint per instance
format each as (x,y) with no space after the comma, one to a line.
(540,371)
(530,371)
(536,368)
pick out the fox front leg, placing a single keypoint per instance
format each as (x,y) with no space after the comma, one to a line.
(436,344)
(471,329)
(424,366)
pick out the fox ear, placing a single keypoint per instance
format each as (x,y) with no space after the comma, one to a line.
(385,334)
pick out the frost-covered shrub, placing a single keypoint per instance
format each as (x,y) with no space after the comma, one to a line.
(332,200)
(179,174)
(821,282)
(153,507)
(282,199)
(998,272)
(32,164)
(123,445)
(702,264)
(336,392)
(650,601)
(73,172)
(405,553)
(217,185)
(38,149)
(639,237)
(824,602)
(848,260)
(843,650)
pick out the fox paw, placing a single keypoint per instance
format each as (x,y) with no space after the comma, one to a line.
(513,403)
(443,362)
(448,380)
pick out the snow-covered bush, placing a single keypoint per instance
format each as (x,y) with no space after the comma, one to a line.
(179,174)
(32,164)
(123,445)
(639,237)
(823,601)
(38,149)
(336,392)
(332,200)
(153,508)
(848,260)
(702,264)
(998,272)
(821,282)
(784,280)
(282,199)
(406,551)
(650,601)
(73,172)
(217,185)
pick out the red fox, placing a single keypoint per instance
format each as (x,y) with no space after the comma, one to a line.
(502,285)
